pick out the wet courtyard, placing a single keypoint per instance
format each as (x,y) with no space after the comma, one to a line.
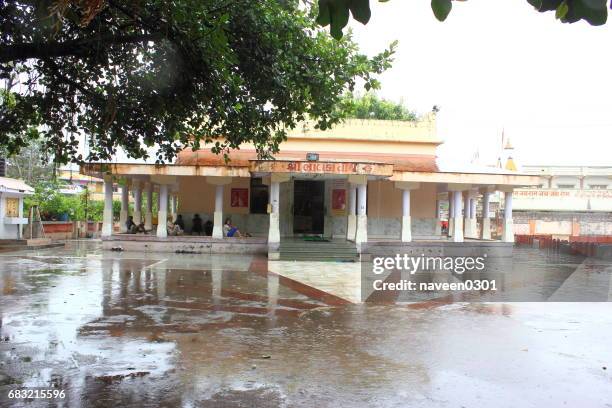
(186,330)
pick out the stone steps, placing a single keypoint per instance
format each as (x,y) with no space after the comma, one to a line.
(333,251)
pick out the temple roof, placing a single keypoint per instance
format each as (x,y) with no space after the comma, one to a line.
(242,158)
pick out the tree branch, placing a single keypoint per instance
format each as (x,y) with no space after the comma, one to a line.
(80,47)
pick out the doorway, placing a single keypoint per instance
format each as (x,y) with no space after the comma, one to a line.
(308,207)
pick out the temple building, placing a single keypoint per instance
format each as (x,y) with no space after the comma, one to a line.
(362,181)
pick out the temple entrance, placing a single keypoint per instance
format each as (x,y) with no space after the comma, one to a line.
(308,207)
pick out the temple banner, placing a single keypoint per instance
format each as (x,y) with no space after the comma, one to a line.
(279,166)
(562,200)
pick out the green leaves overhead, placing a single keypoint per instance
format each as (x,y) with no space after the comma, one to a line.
(441,8)
(335,13)
(595,12)
(167,76)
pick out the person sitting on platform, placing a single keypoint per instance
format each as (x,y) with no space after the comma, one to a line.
(130,225)
(179,221)
(230,231)
(173,229)
(196,223)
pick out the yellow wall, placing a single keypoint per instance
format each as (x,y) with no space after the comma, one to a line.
(197,196)
(385,201)
(322,145)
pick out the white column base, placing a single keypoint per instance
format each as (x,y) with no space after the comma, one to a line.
(361,234)
(149,221)
(123,216)
(467,228)
(485,232)
(458,230)
(508,232)
(218,225)
(274,237)
(351,227)
(473,228)
(438,228)
(451,226)
(406,229)
(274,232)
(137,217)
(107,225)
(162,228)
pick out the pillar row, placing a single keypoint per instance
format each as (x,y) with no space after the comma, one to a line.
(137,202)
(361,231)
(351,227)
(218,215)
(162,213)
(125,203)
(107,220)
(485,222)
(149,207)
(508,231)
(458,217)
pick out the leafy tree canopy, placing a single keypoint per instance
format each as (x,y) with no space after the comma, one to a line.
(336,13)
(168,74)
(370,106)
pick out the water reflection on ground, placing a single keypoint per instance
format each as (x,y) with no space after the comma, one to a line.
(130,329)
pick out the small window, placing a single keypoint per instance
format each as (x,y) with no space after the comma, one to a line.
(566,186)
(259,196)
(598,186)
(12,207)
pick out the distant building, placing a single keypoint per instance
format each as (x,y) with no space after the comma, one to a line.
(78,183)
(571,202)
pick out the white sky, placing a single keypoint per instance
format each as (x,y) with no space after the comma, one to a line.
(497,64)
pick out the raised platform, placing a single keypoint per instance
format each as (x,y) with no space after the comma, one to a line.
(22,244)
(186,244)
(259,245)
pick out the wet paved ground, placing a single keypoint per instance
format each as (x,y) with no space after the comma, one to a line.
(128,329)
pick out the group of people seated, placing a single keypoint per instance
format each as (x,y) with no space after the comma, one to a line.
(178,227)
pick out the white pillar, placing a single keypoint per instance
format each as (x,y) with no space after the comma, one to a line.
(361,234)
(149,209)
(137,202)
(218,216)
(458,218)
(485,223)
(162,214)
(125,205)
(274,227)
(438,227)
(451,212)
(473,224)
(107,220)
(406,220)
(351,224)
(508,234)
(174,207)
(467,226)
